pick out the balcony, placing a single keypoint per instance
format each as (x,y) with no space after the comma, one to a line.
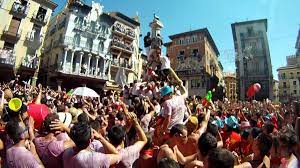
(33,40)
(251,35)
(19,10)
(116,64)
(39,18)
(11,33)
(79,27)
(257,52)
(82,72)
(7,56)
(121,45)
(30,61)
(124,31)
(91,31)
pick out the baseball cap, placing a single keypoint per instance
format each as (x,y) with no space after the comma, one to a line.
(231,122)
(165,90)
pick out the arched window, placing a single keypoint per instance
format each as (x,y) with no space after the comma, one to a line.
(89,43)
(76,40)
(101,46)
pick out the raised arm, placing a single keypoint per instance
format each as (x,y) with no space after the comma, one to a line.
(39,98)
(1,103)
(203,126)
(109,148)
(184,160)
(88,114)
(184,93)
(142,136)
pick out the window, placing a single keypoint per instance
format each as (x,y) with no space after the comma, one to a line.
(1,2)
(195,52)
(253,45)
(250,31)
(284,84)
(295,91)
(93,26)
(60,37)
(284,92)
(101,46)
(294,83)
(242,35)
(41,15)
(195,83)
(89,43)
(14,26)
(181,53)
(77,40)
(8,46)
(292,75)
(283,75)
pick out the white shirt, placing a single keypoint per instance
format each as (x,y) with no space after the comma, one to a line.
(165,62)
(135,89)
(175,108)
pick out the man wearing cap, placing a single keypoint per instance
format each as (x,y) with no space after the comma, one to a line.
(173,107)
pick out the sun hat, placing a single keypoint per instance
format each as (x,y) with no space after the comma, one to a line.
(219,123)
(192,124)
(15,104)
(165,91)
(65,118)
(231,122)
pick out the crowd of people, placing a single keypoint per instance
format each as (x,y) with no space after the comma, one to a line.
(149,124)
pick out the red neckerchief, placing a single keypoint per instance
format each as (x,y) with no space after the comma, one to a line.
(148,152)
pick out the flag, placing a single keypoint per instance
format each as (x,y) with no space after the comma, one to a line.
(121,77)
(70,92)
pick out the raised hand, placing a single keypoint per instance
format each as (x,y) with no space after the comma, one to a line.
(58,126)
(96,135)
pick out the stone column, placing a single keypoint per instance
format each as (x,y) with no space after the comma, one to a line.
(89,64)
(65,58)
(72,59)
(80,62)
(97,60)
(108,75)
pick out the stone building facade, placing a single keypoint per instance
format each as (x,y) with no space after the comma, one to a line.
(253,59)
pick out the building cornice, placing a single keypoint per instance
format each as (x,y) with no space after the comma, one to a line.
(204,31)
(48,3)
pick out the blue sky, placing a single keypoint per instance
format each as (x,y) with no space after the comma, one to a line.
(217,15)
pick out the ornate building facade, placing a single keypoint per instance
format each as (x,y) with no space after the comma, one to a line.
(125,44)
(80,47)
(23,28)
(194,57)
(289,80)
(230,86)
(253,59)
